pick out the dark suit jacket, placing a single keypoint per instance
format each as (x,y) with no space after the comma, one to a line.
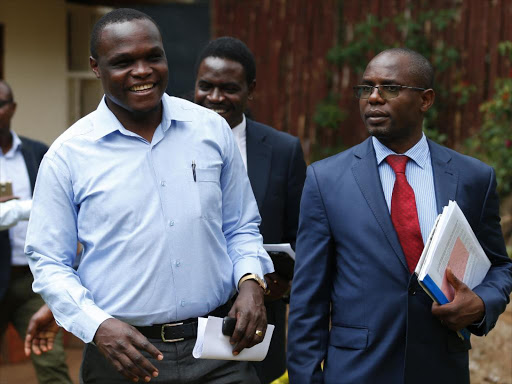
(349,257)
(276,169)
(33,152)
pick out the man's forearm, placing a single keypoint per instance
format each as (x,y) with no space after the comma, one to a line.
(71,304)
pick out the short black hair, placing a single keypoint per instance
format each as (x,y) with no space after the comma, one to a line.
(420,67)
(232,49)
(119,15)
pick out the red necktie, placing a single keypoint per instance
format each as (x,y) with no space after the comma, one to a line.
(404,214)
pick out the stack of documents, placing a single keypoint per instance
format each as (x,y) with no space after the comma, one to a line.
(451,243)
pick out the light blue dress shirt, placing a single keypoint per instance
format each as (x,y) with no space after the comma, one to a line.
(160,244)
(419,175)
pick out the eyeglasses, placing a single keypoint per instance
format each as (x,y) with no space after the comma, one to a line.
(4,102)
(385,91)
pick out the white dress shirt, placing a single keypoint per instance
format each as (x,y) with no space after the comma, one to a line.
(240,132)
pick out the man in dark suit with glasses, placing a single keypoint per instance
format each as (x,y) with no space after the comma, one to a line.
(356,304)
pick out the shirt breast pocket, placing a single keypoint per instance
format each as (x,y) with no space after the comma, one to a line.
(209,192)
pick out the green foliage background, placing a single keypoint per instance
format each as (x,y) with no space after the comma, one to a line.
(493,143)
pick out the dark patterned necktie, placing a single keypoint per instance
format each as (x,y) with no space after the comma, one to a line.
(404,214)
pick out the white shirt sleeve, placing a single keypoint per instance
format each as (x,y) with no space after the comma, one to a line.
(13,211)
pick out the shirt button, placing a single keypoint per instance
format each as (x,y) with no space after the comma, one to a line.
(178,263)
(182,303)
(163,183)
(171,223)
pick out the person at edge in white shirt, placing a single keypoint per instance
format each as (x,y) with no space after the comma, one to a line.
(155,190)
(19,163)
(12,211)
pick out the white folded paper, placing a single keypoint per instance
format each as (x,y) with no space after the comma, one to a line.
(284,247)
(212,344)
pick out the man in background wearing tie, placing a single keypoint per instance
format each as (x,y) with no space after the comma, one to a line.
(365,215)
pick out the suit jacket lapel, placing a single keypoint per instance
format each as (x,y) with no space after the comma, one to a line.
(259,159)
(445,176)
(366,173)
(30,163)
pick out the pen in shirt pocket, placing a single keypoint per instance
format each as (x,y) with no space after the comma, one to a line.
(194,169)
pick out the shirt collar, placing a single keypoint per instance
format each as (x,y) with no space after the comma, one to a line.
(240,128)
(105,122)
(420,152)
(16,141)
(16,145)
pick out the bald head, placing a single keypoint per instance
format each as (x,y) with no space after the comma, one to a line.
(5,91)
(419,69)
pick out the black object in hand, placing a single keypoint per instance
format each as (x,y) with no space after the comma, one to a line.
(283,264)
(228,326)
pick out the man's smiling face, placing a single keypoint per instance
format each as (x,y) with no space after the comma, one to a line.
(221,86)
(132,66)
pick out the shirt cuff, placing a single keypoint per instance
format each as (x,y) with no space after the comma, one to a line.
(248,266)
(260,266)
(86,324)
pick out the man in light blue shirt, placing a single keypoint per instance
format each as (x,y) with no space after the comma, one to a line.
(156,191)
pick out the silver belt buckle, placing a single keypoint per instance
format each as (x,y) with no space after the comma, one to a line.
(162,333)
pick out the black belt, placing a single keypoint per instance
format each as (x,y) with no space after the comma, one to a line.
(180,330)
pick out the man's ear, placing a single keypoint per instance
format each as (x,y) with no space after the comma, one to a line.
(94,66)
(427,99)
(251,89)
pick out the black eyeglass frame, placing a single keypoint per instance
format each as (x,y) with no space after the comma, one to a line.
(359,88)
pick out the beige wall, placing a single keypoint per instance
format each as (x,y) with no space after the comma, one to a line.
(35,65)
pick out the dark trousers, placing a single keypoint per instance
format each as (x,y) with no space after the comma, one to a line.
(274,364)
(177,367)
(17,307)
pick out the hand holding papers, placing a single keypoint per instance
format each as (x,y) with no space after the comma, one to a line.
(453,244)
(212,344)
